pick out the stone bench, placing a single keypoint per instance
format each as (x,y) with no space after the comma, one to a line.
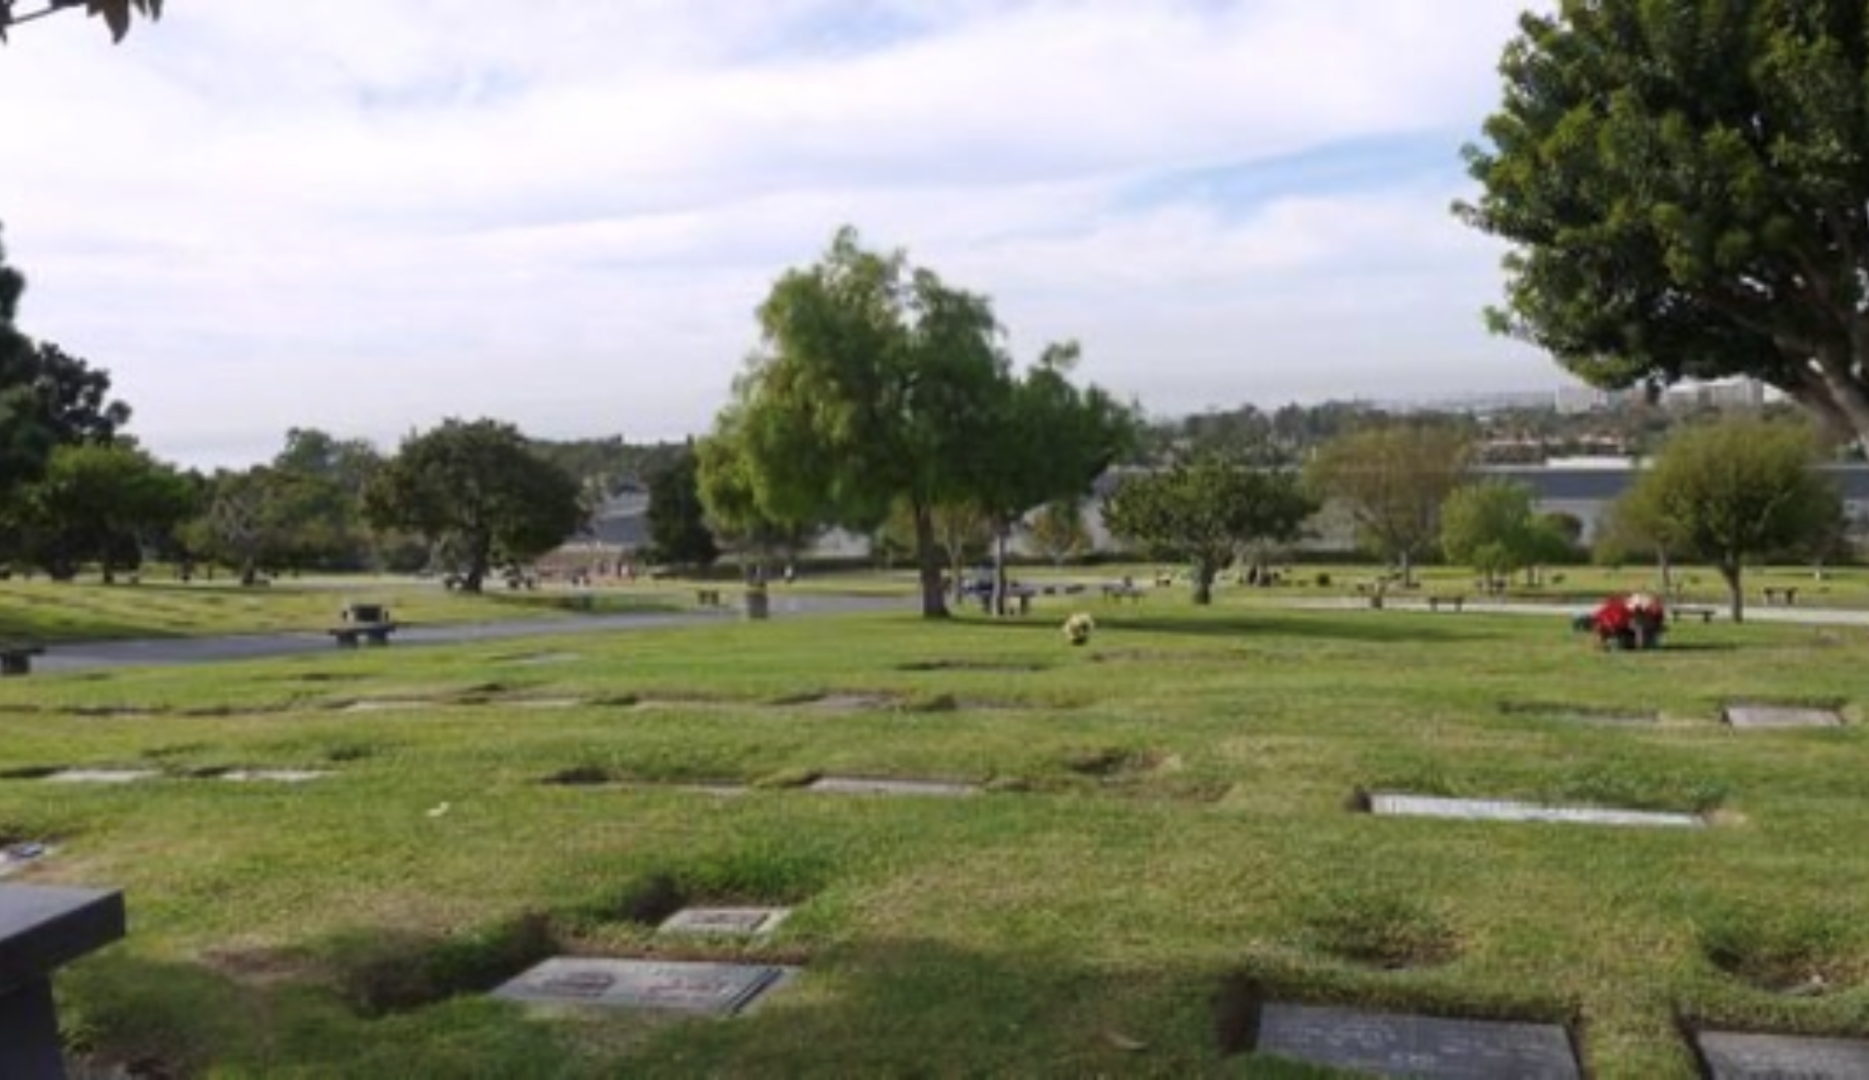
(1785,595)
(1116,591)
(41,930)
(1690,611)
(16,658)
(350,635)
(1455,602)
(707,597)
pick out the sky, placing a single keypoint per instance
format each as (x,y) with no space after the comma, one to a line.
(367,217)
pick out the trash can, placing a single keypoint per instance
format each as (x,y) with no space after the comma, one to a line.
(758,604)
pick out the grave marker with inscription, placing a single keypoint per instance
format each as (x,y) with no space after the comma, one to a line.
(689,987)
(733,921)
(1401,1044)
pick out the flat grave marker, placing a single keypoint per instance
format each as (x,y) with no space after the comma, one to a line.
(1732,1055)
(728,921)
(274,776)
(1781,716)
(860,785)
(101,776)
(1398,805)
(1402,1044)
(706,989)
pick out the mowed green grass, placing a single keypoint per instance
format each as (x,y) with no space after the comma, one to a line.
(1164,836)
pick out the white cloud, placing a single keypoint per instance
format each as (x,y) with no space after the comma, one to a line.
(364,216)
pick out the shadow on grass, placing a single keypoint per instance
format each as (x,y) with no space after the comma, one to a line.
(871,1008)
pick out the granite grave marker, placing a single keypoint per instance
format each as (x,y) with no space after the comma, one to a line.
(1735,1056)
(688,987)
(1401,1044)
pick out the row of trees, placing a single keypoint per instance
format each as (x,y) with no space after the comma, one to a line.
(75,489)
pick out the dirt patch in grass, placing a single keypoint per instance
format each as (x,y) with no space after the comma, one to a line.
(840,702)
(380,974)
(1577,714)
(1112,762)
(585,776)
(264,967)
(343,752)
(1236,1007)
(1780,954)
(1374,929)
(973,665)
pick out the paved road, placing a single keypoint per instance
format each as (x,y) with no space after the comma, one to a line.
(84,656)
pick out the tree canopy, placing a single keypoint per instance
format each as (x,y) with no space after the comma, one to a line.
(1495,528)
(876,383)
(1686,186)
(117,14)
(1204,511)
(1393,479)
(677,516)
(102,502)
(1733,491)
(476,491)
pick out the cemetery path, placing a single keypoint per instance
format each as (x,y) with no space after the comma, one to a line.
(159,652)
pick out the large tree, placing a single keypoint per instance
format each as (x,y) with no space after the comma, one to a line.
(1495,528)
(1205,511)
(876,384)
(475,489)
(734,513)
(1050,440)
(116,13)
(1394,480)
(1686,186)
(1733,491)
(102,503)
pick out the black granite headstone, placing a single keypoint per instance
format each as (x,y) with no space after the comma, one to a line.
(1427,1047)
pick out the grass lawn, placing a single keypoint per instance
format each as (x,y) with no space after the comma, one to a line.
(1164,836)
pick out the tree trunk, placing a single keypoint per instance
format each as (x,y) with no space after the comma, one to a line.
(1731,572)
(1408,571)
(999,570)
(1203,574)
(928,558)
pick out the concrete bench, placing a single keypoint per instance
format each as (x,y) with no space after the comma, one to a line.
(42,930)
(1456,602)
(1785,595)
(707,597)
(16,659)
(1689,611)
(1119,591)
